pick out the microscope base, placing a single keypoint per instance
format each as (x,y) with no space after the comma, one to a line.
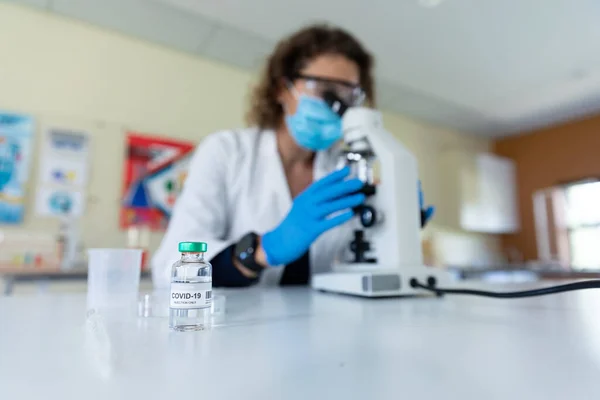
(378,282)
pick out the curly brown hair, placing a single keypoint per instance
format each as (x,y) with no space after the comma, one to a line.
(291,55)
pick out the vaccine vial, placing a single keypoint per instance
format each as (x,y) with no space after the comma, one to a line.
(191,289)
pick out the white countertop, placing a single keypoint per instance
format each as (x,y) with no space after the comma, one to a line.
(297,344)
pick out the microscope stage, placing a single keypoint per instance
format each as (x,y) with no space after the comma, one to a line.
(377,283)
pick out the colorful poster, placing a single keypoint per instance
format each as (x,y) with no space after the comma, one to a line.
(16,135)
(63,173)
(155,170)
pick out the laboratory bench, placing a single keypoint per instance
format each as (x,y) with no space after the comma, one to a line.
(298,344)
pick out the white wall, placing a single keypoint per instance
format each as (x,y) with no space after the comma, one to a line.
(67,73)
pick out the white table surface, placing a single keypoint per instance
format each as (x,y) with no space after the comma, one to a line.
(298,344)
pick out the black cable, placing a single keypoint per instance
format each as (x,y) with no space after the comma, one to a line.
(591,284)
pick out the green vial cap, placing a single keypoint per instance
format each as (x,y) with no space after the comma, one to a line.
(192,247)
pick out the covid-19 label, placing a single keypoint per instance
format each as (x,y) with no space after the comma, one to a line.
(191,295)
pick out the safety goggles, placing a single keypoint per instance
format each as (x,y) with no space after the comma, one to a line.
(350,93)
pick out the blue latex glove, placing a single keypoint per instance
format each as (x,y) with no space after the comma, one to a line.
(428,211)
(310,216)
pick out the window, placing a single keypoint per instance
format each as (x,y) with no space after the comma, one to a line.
(583,224)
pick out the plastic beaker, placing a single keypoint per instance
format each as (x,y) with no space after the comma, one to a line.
(113,279)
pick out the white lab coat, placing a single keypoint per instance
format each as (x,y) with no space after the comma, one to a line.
(236,184)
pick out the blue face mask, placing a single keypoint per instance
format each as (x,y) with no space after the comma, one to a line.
(314,126)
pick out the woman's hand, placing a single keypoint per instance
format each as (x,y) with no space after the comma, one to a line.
(311,215)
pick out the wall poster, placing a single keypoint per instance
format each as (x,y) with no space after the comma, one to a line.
(63,173)
(154,173)
(16,136)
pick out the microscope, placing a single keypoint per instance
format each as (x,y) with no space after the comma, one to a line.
(385,251)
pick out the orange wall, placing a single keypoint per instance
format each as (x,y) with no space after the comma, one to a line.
(546,158)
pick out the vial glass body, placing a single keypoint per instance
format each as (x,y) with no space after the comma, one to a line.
(191,293)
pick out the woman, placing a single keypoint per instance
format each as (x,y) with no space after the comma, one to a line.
(262,197)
